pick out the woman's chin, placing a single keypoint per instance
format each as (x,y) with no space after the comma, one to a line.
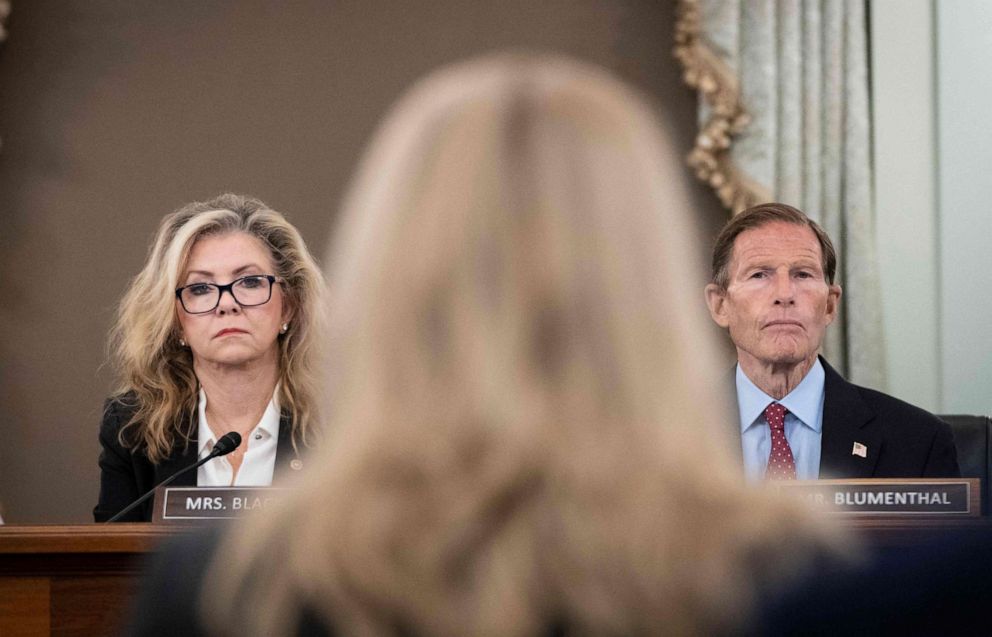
(234,357)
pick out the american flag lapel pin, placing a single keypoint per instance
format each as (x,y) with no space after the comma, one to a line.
(859,450)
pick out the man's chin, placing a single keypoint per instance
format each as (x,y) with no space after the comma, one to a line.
(782,356)
(785,360)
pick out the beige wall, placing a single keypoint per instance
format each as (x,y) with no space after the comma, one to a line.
(114,113)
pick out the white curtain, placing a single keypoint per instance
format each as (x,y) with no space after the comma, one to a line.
(784,117)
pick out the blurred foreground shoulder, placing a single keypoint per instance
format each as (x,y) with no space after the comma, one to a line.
(168,599)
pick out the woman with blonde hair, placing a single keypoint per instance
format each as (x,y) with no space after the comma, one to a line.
(218,333)
(526,433)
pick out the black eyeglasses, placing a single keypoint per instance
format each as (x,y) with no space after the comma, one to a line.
(248,291)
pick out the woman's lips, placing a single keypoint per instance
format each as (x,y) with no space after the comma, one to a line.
(229,330)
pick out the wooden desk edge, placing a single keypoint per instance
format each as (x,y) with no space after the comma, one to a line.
(82,538)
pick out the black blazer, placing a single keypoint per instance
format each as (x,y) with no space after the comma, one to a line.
(126,473)
(902,441)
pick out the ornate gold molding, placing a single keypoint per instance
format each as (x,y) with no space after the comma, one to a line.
(707,74)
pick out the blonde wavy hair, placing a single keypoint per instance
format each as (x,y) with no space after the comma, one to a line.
(156,377)
(526,424)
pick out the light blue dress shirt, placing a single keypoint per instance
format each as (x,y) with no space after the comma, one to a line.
(803,424)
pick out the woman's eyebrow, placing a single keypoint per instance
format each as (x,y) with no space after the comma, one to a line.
(208,273)
(249,266)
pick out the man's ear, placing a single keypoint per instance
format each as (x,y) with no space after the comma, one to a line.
(833,301)
(716,301)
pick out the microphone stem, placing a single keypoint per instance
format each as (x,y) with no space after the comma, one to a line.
(164,483)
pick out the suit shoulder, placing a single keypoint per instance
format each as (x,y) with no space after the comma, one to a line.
(905,414)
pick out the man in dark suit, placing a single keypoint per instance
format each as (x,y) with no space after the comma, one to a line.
(773,289)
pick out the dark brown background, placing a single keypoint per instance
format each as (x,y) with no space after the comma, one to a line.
(113,113)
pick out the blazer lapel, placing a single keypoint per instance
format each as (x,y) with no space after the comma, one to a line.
(287,459)
(848,448)
(183,455)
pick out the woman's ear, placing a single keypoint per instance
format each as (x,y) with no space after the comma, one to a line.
(288,312)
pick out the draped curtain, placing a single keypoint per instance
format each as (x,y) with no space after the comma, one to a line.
(784,116)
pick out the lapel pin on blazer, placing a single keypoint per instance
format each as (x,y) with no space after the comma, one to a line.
(859,450)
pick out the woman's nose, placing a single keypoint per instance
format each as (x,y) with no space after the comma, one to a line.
(228,303)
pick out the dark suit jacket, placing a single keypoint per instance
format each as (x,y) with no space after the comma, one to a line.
(126,473)
(902,441)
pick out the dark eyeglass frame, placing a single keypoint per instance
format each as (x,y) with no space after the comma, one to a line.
(230,289)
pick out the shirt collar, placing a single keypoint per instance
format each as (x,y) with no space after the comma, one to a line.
(804,401)
(269,424)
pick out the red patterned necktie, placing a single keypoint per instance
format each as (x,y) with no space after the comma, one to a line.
(781,464)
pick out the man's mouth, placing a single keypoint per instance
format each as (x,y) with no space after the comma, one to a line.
(784,323)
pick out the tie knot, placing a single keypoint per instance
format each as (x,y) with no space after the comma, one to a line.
(775,415)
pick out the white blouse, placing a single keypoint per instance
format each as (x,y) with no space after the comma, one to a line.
(260,455)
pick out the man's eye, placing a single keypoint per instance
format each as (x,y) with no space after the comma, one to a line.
(804,275)
(199,289)
(758,275)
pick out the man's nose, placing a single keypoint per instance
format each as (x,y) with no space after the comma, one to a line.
(784,289)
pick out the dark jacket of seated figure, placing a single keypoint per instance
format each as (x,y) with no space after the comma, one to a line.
(901,441)
(126,473)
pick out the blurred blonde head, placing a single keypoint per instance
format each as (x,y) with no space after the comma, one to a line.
(526,428)
(156,371)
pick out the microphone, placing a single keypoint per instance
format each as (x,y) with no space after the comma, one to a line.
(225,445)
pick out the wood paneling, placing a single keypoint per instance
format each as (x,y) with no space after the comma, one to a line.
(25,609)
(69,581)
